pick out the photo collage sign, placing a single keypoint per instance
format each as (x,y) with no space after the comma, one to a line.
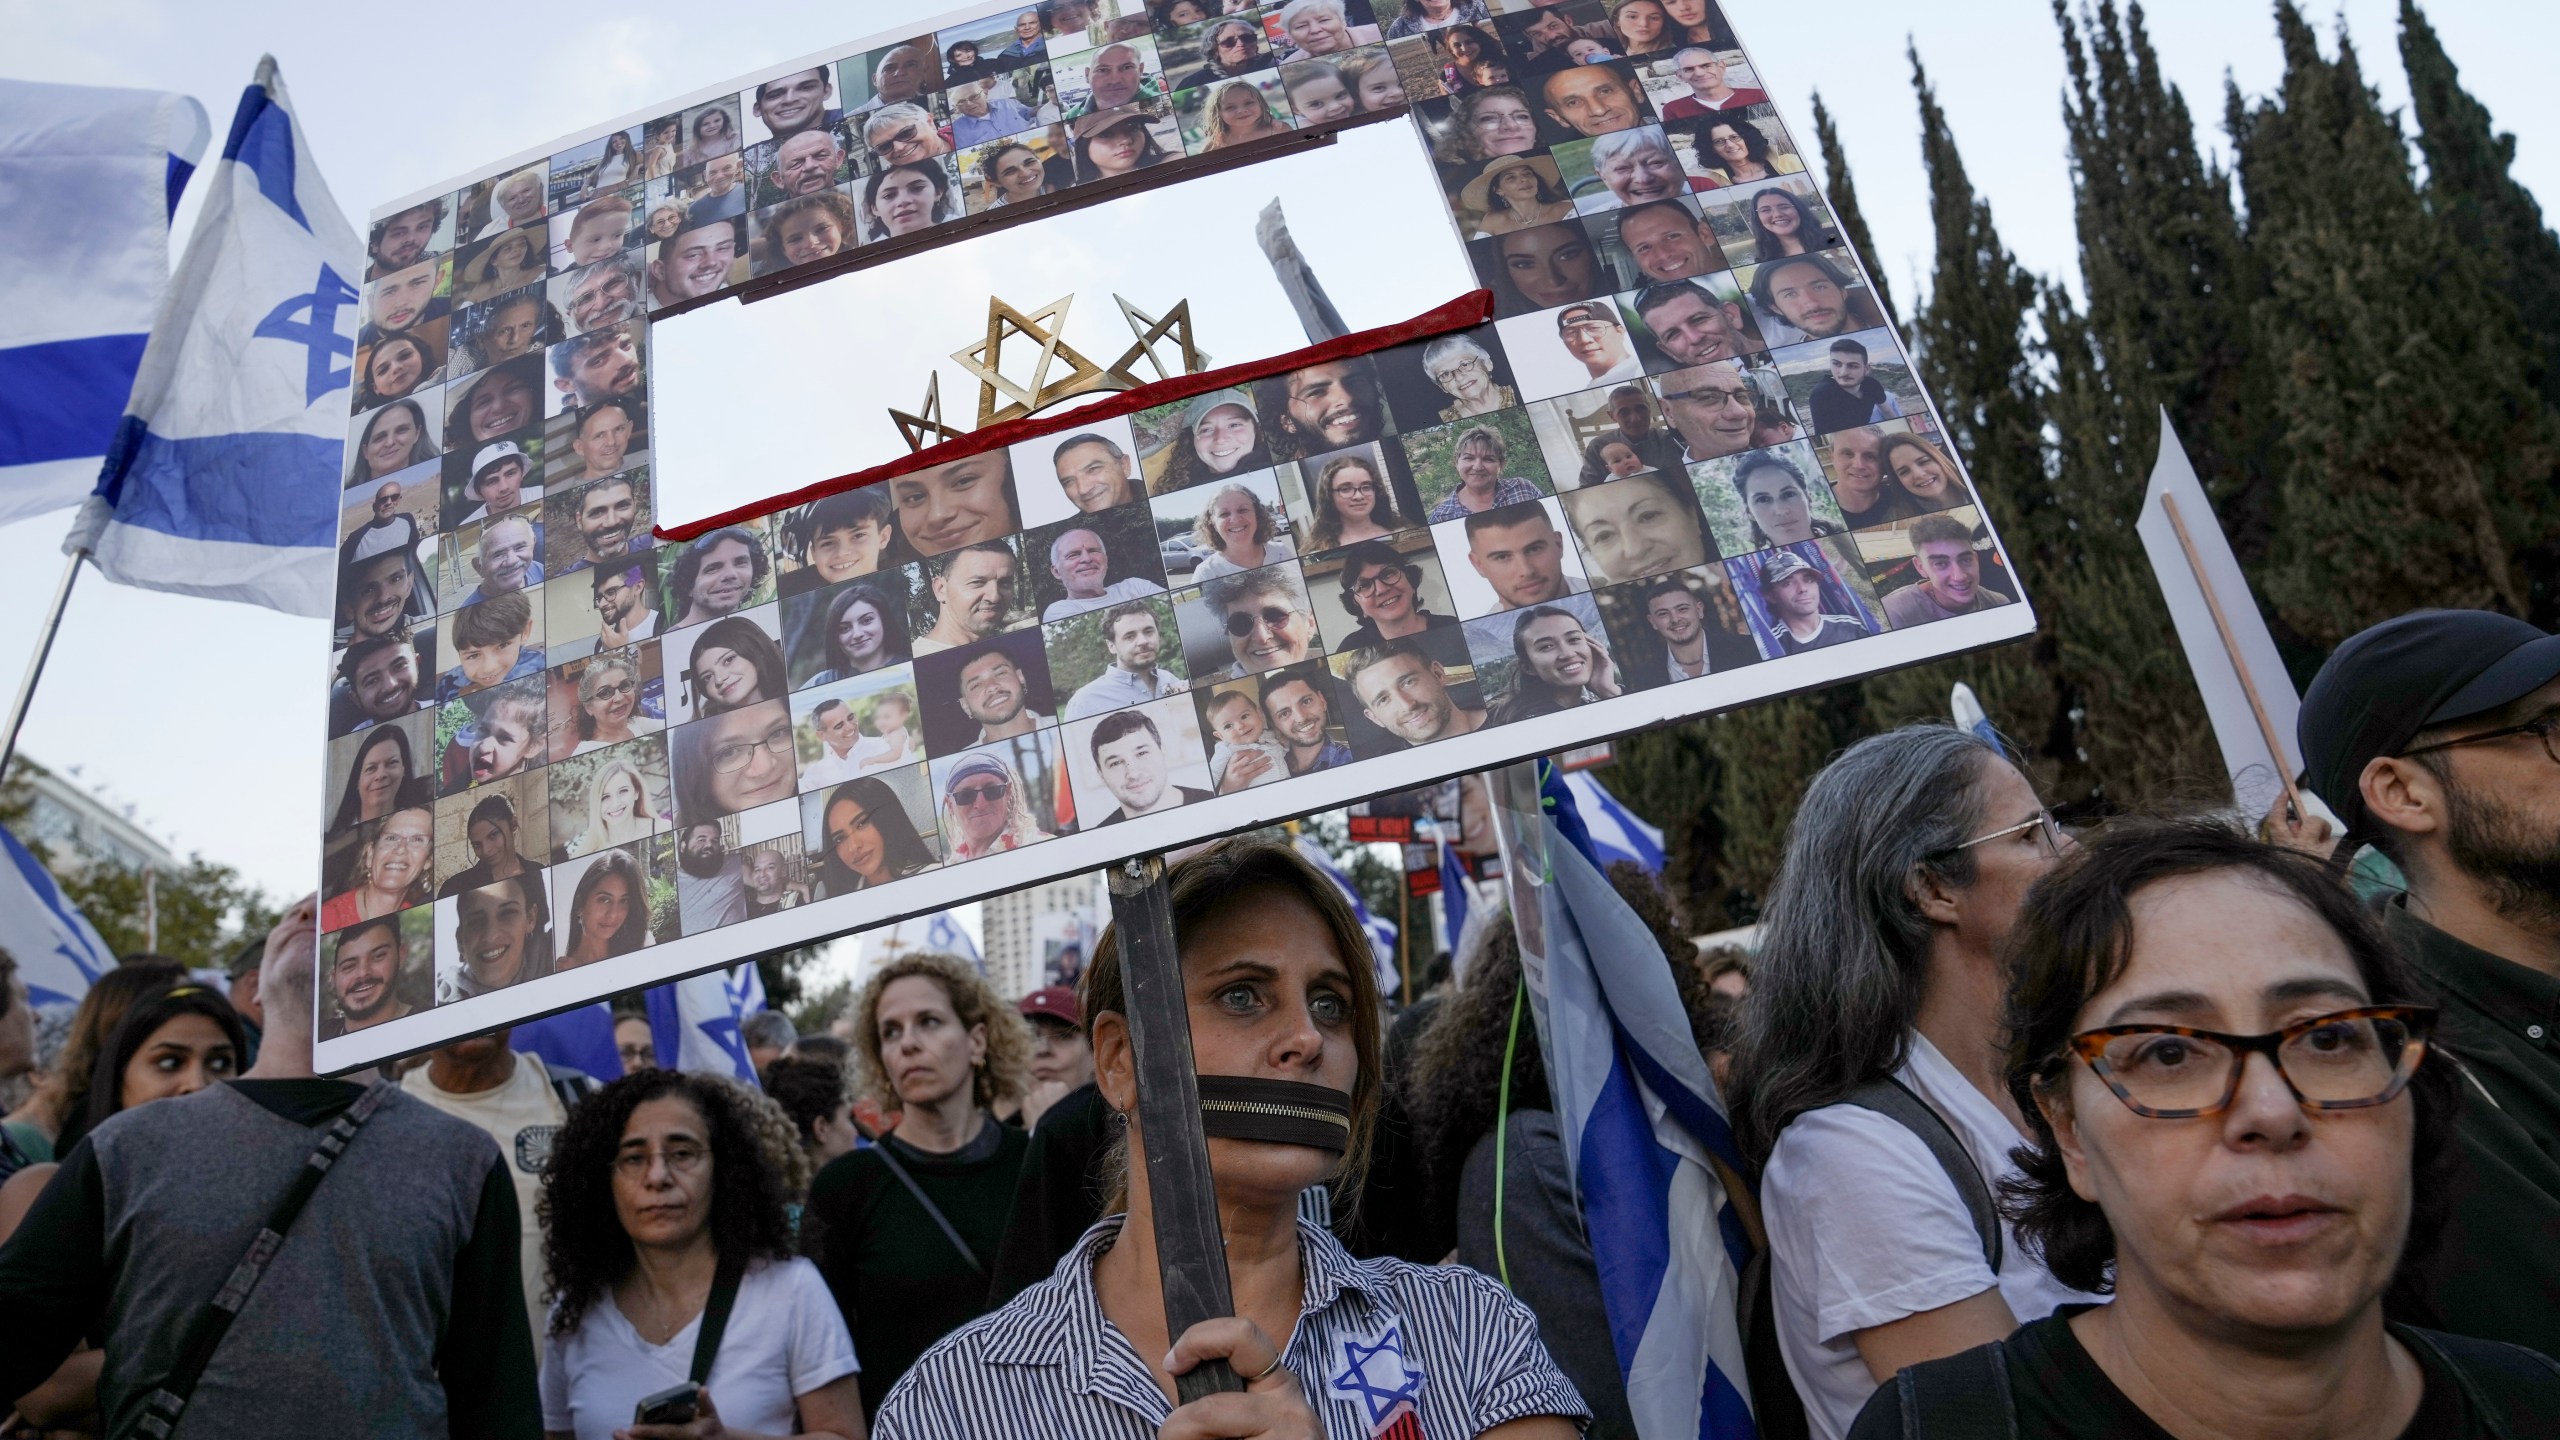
(1686,465)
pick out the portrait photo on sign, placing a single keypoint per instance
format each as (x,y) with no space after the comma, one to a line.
(1449,377)
(493,936)
(381,679)
(591,442)
(1239,522)
(1815,296)
(1677,626)
(1117,655)
(1806,596)
(1624,420)
(1657,241)
(1509,557)
(970,594)
(1573,347)
(616,902)
(497,830)
(396,439)
(1137,762)
(1539,268)
(1936,567)
(733,762)
(1466,466)
(620,694)
(1411,692)
(1374,591)
(1085,470)
(870,831)
(732,662)
(1244,624)
(718,573)
(960,502)
(597,522)
(491,642)
(1207,437)
(378,770)
(993,689)
(836,538)
(861,725)
(526,320)
(1017,169)
(1360,492)
(394,508)
(1001,795)
(610,796)
(1094,561)
(1547,658)
(1244,750)
(494,733)
(404,237)
(1642,525)
(1774,496)
(1852,380)
(852,628)
(376,971)
(1106,77)
(1770,220)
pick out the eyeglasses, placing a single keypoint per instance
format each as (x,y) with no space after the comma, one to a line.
(738,754)
(993,792)
(1235,42)
(681,1160)
(1732,399)
(1345,492)
(620,691)
(1240,623)
(2344,1060)
(1372,584)
(1587,327)
(2046,827)
(2541,727)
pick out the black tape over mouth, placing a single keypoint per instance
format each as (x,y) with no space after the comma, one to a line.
(1285,1112)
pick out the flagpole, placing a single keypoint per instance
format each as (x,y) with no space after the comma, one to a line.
(35,662)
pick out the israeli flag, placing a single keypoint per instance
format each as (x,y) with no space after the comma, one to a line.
(223,479)
(1640,1116)
(1616,832)
(1382,933)
(59,952)
(88,179)
(580,1040)
(694,1023)
(944,934)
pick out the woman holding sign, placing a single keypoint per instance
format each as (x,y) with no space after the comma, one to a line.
(1283,1008)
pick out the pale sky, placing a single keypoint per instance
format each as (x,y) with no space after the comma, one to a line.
(208,716)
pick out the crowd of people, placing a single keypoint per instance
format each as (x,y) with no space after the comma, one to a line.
(2167,1126)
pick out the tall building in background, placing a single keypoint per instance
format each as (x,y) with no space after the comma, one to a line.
(77,829)
(1043,935)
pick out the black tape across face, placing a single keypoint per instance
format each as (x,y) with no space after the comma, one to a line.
(1284,1112)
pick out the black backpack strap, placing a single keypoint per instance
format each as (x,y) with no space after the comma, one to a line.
(2513,1390)
(1888,1097)
(715,1319)
(940,1221)
(168,1403)
(1962,1397)
(570,1086)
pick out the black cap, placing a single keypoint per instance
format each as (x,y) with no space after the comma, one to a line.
(2385,684)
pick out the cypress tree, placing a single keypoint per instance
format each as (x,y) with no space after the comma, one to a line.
(2472,191)
(2399,393)
(1669,776)
(1843,195)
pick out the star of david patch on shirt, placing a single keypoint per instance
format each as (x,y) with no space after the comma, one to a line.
(1375,1374)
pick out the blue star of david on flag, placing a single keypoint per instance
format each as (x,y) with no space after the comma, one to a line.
(1376,1374)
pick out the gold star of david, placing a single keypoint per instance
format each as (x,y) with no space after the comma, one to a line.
(926,427)
(1044,325)
(1150,330)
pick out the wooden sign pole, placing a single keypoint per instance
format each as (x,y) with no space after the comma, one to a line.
(2231,647)
(1191,1253)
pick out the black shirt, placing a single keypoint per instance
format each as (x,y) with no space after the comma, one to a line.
(2061,1394)
(55,1275)
(898,1279)
(1059,1194)
(2495,1271)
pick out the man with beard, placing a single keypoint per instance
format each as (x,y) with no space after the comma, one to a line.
(2432,737)
(1806,297)
(604,294)
(1299,706)
(597,366)
(696,260)
(796,103)
(1116,78)
(1134,639)
(973,596)
(400,241)
(717,574)
(1691,326)
(364,973)
(996,696)
(1405,692)
(1080,560)
(1322,407)
(711,883)
(377,682)
(624,605)
(606,513)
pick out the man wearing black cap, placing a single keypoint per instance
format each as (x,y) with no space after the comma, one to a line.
(2432,736)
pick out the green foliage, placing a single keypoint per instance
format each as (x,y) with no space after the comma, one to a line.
(204,911)
(818,1008)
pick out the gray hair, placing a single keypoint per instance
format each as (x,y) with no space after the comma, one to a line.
(767,1027)
(1618,142)
(1844,952)
(1449,347)
(898,114)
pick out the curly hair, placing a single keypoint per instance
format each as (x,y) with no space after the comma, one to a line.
(585,1250)
(1456,1071)
(2074,938)
(1007,1068)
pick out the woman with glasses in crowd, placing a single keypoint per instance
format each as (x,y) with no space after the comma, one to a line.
(2238,1129)
(664,1218)
(1870,1047)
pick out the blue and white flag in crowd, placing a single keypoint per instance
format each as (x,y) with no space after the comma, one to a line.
(1382,933)
(223,479)
(944,934)
(88,179)
(59,952)
(1616,832)
(694,1021)
(1641,1117)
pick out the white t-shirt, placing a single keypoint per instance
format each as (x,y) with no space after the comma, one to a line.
(522,1116)
(785,1339)
(1865,1228)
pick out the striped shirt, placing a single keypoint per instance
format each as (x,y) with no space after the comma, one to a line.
(1376,1340)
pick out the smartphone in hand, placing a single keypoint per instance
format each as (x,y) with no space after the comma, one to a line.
(674,1405)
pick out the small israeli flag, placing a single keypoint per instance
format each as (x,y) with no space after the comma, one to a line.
(88,178)
(59,952)
(944,934)
(223,479)
(1382,933)
(694,1023)
(1616,832)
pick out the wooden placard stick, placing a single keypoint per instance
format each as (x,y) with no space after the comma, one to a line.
(1191,1253)
(2239,667)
